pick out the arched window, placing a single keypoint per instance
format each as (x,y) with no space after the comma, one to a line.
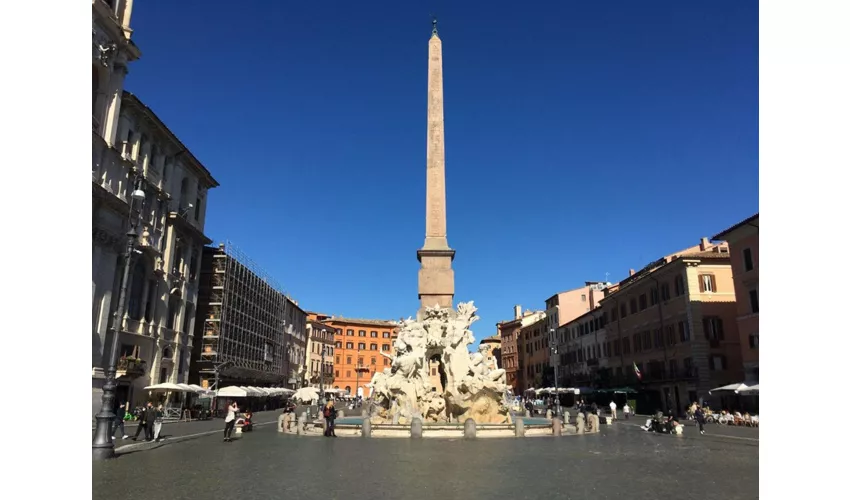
(167,353)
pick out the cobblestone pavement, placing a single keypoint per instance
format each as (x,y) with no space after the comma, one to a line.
(620,462)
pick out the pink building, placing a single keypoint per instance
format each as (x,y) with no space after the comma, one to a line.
(743,240)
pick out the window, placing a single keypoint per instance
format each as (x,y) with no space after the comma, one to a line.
(684,331)
(626,346)
(348,360)
(658,342)
(614,314)
(637,342)
(647,340)
(361,333)
(385,347)
(622,310)
(670,335)
(385,335)
(583,298)
(360,361)
(653,296)
(665,291)
(754,301)
(361,345)
(386,362)
(374,360)
(349,345)
(373,347)
(350,333)
(679,285)
(713,328)
(707,283)
(748,260)
(633,306)
(336,373)
(347,373)
(754,341)
(338,344)
(338,358)
(674,368)
(642,301)
(374,335)
(717,362)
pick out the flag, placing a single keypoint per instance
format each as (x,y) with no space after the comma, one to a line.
(637,371)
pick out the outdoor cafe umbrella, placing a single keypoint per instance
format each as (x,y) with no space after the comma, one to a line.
(167,386)
(752,390)
(729,388)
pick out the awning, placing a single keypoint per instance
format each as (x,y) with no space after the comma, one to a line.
(167,386)
(729,388)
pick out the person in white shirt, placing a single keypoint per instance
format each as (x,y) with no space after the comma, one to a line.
(613,406)
(626,410)
(230,421)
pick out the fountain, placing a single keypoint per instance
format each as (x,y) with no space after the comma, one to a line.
(472,389)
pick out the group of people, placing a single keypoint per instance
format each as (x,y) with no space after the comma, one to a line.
(148,417)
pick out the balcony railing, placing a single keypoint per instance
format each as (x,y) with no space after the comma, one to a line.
(130,367)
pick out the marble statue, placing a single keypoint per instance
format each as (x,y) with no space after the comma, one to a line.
(472,388)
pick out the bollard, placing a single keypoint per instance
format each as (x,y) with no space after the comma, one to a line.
(302,424)
(366,428)
(580,424)
(556,427)
(527,414)
(416,428)
(469,429)
(281,423)
(519,428)
(548,414)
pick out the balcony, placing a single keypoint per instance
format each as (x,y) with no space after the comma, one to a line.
(130,368)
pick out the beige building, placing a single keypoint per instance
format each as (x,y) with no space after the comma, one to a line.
(674,319)
(142,177)
(320,338)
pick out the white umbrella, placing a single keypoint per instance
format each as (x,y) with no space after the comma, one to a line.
(752,390)
(307,394)
(259,390)
(729,388)
(234,392)
(166,386)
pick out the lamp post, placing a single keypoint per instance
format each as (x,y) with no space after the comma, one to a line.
(322,366)
(553,347)
(102,446)
(357,372)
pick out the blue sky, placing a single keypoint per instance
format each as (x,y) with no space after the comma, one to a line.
(582,138)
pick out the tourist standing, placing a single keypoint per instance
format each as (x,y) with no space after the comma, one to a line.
(230,421)
(613,407)
(146,418)
(626,410)
(330,417)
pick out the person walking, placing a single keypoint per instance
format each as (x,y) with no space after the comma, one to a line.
(613,407)
(146,418)
(330,417)
(626,410)
(120,414)
(157,422)
(699,416)
(230,421)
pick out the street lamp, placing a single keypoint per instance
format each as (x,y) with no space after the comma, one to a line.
(102,446)
(322,366)
(553,347)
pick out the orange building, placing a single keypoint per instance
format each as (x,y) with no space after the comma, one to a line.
(512,345)
(358,348)
(743,240)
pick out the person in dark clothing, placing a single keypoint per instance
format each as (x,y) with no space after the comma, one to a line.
(146,419)
(330,417)
(120,413)
(699,416)
(529,406)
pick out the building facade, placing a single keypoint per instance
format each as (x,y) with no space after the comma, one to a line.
(319,368)
(509,331)
(743,240)
(674,320)
(248,329)
(361,347)
(533,346)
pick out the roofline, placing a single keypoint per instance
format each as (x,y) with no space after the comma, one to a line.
(574,289)
(746,222)
(134,99)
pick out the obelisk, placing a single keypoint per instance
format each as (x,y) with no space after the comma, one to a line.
(436,277)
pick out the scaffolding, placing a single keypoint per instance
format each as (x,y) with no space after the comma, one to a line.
(244,320)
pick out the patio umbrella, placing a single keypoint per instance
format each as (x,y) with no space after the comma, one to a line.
(307,394)
(752,390)
(234,392)
(625,390)
(729,388)
(166,386)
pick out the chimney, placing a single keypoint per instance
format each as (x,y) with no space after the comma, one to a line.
(704,244)
(517,312)
(631,272)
